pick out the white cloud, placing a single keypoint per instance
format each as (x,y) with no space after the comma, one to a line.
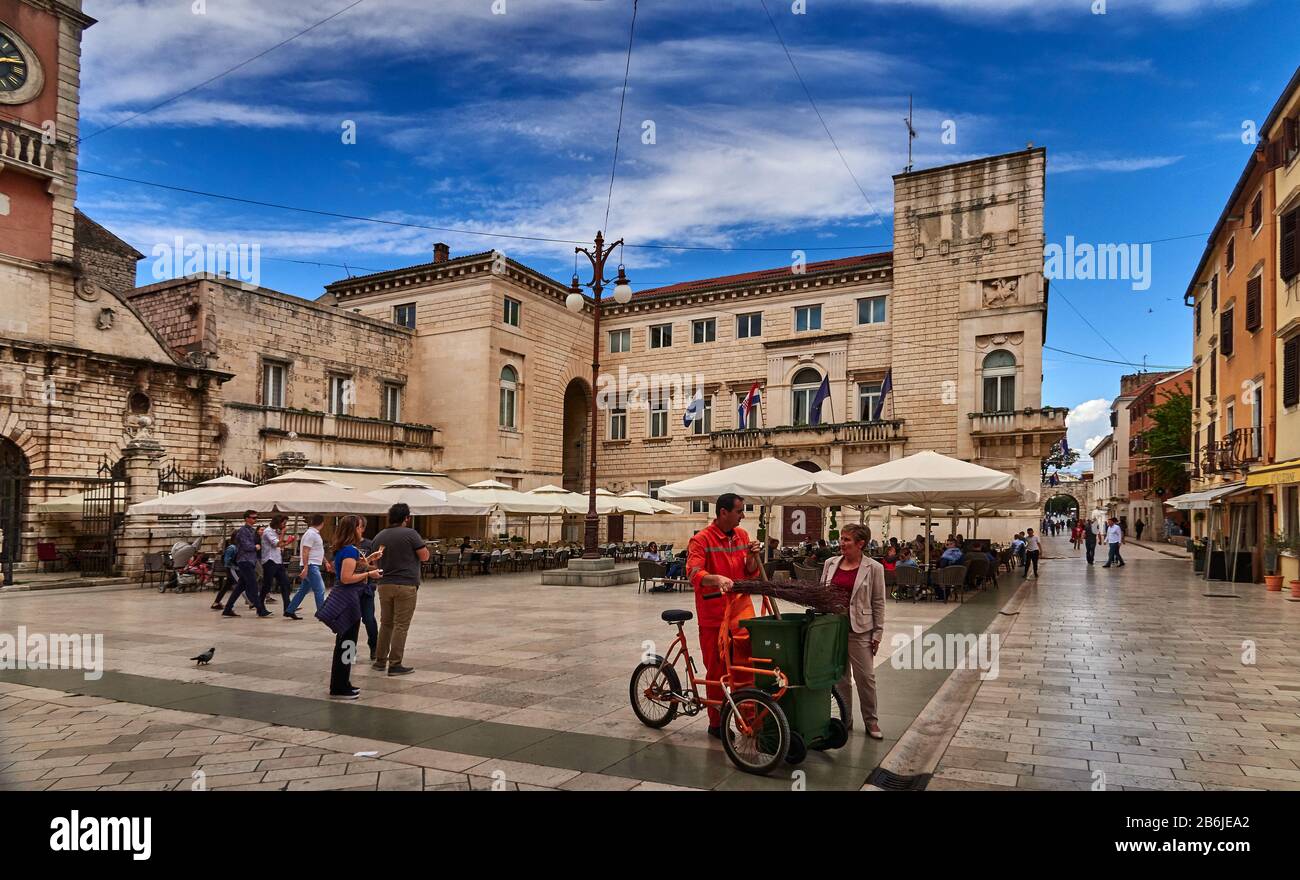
(1086,425)
(1065,162)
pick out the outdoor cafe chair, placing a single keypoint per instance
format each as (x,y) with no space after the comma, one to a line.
(953,579)
(806,572)
(907,582)
(47,553)
(155,569)
(977,573)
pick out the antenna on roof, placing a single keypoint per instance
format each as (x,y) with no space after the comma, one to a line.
(911,135)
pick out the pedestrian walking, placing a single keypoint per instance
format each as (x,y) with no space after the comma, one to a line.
(1031,552)
(229,559)
(1090,541)
(404,551)
(1114,538)
(273,573)
(1076,536)
(1137,529)
(246,560)
(312,553)
(342,609)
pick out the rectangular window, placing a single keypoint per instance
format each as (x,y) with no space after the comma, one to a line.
(1197,402)
(1225,332)
(1000,393)
(704,330)
(273,376)
(510,312)
(1198,319)
(1214,374)
(1257,212)
(1230,256)
(1291,371)
(1288,238)
(659,417)
(1291,503)
(1232,422)
(342,394)
(699,507)
(620,341)
(404,315)
(871,310)
(868,400)
(807,318)
(703,423)
(617,423)
(652,488)
(749,324)
(392,402)
(1253,310)
(661,336)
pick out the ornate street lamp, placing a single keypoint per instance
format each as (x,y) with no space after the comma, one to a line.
(575,302)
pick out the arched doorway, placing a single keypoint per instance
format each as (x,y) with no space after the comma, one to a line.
(14,474)
(800,523)
(577,424)
(1063,509)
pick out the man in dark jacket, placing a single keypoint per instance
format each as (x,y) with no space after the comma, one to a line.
(246,561)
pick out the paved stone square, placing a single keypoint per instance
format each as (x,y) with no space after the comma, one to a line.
(510,675)
(1134,673)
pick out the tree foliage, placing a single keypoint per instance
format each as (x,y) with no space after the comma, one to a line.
(1058,460)
(1169,444)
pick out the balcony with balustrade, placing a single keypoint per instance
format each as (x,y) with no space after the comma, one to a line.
(27,150)
(787,437)
(1238,452)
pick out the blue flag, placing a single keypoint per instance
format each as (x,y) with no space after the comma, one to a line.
(823,394)
(886,387)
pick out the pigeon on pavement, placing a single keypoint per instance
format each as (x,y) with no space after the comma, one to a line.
(205,656)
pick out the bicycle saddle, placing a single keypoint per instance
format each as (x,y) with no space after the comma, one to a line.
(676,616)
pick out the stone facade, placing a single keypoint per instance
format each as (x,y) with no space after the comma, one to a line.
(1146,495)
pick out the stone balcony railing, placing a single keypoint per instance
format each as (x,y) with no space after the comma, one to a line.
(1239,451)
(842,433)
(22,148)
(312,425)
(1048,419)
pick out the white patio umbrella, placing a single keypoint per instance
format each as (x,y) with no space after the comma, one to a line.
(926,479)
(425,500)
(658,508)
(289,494)
(182,503)
(572,502)
(502,497)
(766,482)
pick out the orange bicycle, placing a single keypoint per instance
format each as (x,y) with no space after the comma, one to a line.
(756,734)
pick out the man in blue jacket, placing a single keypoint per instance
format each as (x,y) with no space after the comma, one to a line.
(246,561)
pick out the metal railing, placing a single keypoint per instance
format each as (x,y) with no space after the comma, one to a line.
(890,431)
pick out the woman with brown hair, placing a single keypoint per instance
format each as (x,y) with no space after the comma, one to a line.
(342,610)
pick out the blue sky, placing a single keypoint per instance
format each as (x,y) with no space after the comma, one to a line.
(505,123)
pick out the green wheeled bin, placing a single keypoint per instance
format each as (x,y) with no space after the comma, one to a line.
(812,650)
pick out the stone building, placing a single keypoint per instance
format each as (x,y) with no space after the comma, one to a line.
(79,367)
(954,317)
(1146,493)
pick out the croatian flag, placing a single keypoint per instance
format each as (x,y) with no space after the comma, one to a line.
(822,395)
(695,410)
(752,399)
(886,388)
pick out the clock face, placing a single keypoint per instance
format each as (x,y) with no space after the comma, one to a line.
(13,66)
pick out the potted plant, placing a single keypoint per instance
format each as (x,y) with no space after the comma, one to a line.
(1273,547)
(1292,549)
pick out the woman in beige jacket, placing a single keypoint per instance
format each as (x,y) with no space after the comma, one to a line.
(864,580)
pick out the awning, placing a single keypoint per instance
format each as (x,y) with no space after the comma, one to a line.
(370,479)
(1203,499)
(1276,474)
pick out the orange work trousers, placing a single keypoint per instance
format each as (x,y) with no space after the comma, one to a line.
(715,668)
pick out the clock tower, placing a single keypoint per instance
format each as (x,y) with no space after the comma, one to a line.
(40,62)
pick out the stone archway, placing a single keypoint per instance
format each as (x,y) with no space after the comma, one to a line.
(14,473)
(577,425)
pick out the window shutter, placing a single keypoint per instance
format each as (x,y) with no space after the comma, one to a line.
(1214,293)
(1198,319)
(1291,372)
(1287,243)
(1274,155)
(1225,332)
(1257,211)
(1252,303)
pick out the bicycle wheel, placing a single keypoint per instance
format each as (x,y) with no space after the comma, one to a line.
(651,690)
(766,742)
